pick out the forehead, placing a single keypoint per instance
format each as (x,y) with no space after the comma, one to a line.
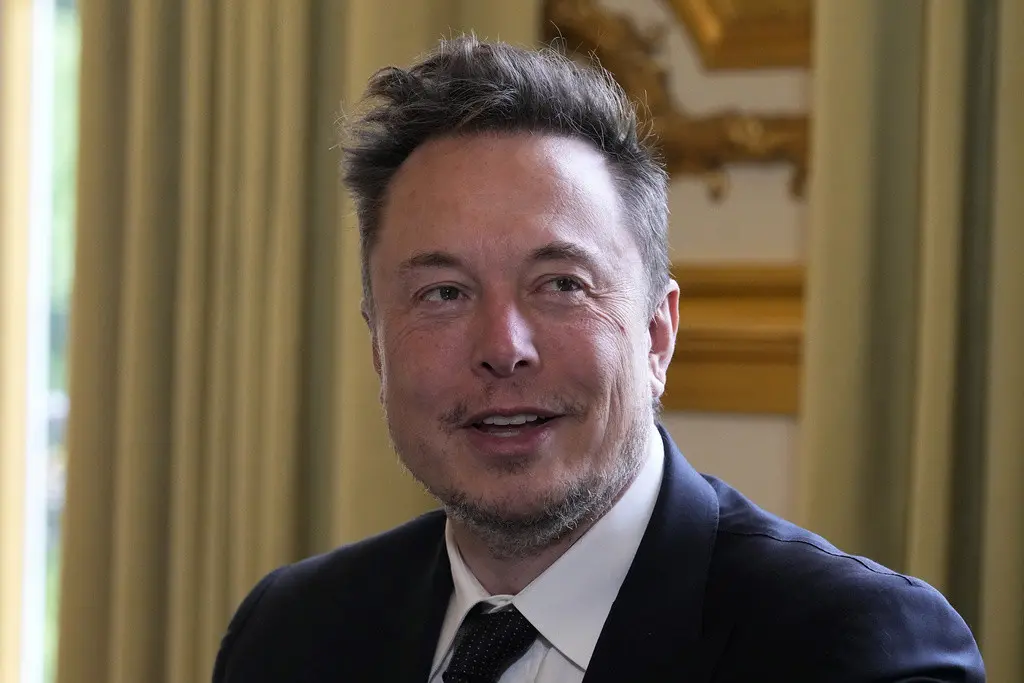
(497,196)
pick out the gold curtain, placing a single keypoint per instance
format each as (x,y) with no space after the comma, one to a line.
(224,414)
(912,428)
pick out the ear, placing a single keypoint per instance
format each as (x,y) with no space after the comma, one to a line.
(371,324)
(663,327)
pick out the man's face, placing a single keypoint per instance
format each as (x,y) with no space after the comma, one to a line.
(512,333)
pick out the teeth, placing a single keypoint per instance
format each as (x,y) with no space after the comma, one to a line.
(511,420)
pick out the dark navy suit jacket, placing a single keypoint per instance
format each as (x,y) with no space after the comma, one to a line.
(719,591)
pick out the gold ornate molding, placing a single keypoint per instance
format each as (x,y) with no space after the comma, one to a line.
(748,34)
(693,145)
(740,338)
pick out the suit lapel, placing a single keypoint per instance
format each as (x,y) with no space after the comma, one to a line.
(654,630)
(388,631)
(418,623)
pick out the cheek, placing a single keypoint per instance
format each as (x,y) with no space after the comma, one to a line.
(616,341)
(416,365)
(600,355)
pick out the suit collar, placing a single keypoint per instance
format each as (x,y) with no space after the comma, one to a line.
(416,637)
(654,630)
(381,622)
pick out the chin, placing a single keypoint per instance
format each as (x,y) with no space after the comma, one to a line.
(505,499)
(521,527)
(503,494)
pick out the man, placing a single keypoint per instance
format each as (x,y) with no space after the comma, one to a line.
(517,292)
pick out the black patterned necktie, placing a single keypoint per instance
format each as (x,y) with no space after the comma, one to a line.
(487,644)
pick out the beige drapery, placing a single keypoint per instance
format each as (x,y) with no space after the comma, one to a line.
(912,422)
(224,414)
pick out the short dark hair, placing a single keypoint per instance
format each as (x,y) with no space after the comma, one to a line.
(465,86)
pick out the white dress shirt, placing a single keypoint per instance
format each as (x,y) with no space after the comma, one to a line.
(569,602)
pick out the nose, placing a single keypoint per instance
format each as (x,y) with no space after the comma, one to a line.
(504,345)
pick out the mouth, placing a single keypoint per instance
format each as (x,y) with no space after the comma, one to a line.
(510,423)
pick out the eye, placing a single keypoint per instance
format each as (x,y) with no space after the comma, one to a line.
(442,293)
(564,283)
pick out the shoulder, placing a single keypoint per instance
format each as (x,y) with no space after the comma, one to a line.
(788,590)
(379,559)
(757,547)
(352,570)
(295,604)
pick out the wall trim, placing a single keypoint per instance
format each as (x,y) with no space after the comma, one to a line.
(768,34)
(740,338)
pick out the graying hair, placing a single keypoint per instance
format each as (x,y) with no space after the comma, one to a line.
(465,86)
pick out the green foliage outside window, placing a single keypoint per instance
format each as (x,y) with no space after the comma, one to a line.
(66,40)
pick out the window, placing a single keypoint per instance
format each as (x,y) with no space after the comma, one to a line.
(64,151)
(39,124)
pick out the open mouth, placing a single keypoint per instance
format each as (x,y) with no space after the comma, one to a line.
(511,426)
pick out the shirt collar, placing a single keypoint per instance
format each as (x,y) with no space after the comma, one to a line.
(570,601)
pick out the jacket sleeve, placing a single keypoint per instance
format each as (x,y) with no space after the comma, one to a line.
(891,629)
(228,653)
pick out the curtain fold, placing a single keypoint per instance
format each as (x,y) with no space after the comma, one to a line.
(941,206)
(913,359)
(1001,609)
(224,415)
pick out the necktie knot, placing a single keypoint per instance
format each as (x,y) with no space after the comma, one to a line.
(487,644)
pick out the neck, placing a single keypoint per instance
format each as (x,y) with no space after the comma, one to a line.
(508,575)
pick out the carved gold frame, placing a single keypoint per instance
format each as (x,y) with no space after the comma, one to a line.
(693,145)
(740,337)
(748,34)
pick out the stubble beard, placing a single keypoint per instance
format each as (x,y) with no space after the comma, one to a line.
(510,536)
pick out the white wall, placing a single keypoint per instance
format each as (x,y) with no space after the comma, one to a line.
(757,221)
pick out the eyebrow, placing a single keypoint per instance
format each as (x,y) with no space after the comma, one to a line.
(555,251)
(429,259)
(565,251)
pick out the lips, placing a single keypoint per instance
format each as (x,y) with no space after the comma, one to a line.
(518,432)
(518,417)
(511,428)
